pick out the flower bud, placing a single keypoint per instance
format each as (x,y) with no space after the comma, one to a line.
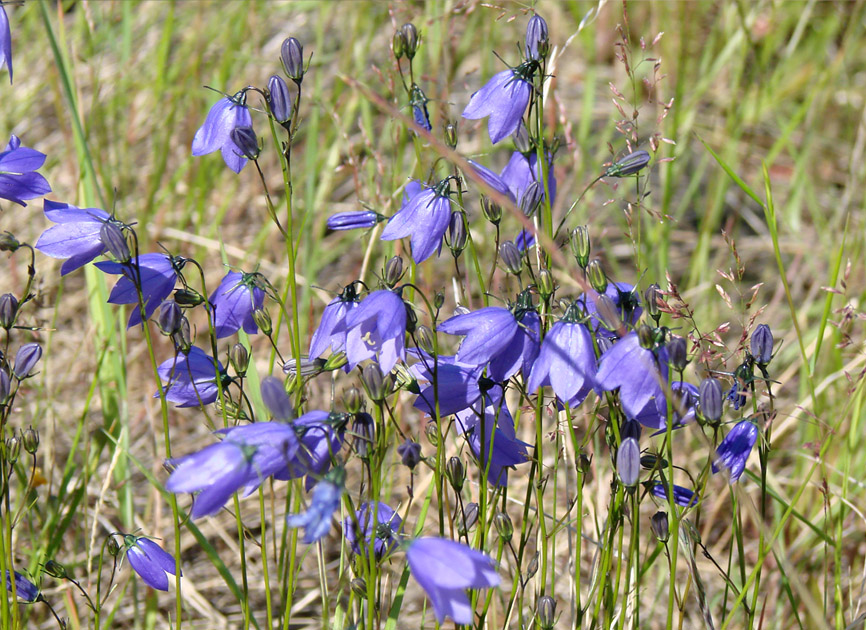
(306,367)
(246,142)
(470,517)
(432,433)
(645,336)
(182,338)
(438,300)
(450,135)
(492,210)
(650,461)
(30,440)
(8,310)
(398,45)
(188,297)
(393,271)
(546,285)
(336,361)
(628,462)
(26,359)
(57,570)
(583,463)
(659,524)
(292,56)
(651,297)
(629,165)
(424,338)
(580,245)
(5,385)
(546,612)
(410,34)
(378,385)
(112,236)
(8,242)
(263,320)
(504,526)
(532,567)
(511,258)
(761,344)
(455,472)
(353,400)
(678,355)
(597,277)
(170,317)
(12,448)
(608,312)
(521,139)
(456,234)
(537,42)
(113,547)
(279,99)
(410,454)
(710,398)
(364,431)
(530,199)
(239,357)
(359,587)
(358,220)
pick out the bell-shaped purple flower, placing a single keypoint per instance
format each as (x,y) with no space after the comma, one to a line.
(191,378)
(377,328)
(158,275)
(321,438)
(445,569)
(682,496)
(566,361)
(332,330)
(237,296)
(18,177)
(5,46)
(76,235)
(150,561)
(684,400)
(488,331)
(733,452)
(27,591)
(215,134)
(424,216)
(522,170)
(455,385)
(635,371)
(359,220)
(504,99)
(520,354)
(500,450)
(493,180)
(316,520)
(383,532)
(275,445)
(26,359)
(624,297)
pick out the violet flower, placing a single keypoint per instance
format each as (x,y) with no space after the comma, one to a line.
(624,297)
(192,378)
(5,51)
(18,177)
(493,180)
(332,330)
(682,496)
(635,371)
(504,99)
(157,274)
(276,445)
(424,216)
(522,170)
(316,520)
(237,296)
(684,400)
(215,134)
(445,569)
(76,237)
(500,450)
(27,591)
(321,438)
(457,385)
(150,561)
(358,220)
(382,532)
(733,452)
(377,328)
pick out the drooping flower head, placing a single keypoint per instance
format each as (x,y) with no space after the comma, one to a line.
(18,177)
(76,235)
(635,371)
(316,520)
(150,561)
(418,100)
(381,525)
(191,378)
(27,591)
(377,328)
(733,452)
(358,220)
(238,295)
(504,99)
(499,450)
(455,388)
(227,114)
(321,437)
(157,275)
(522,170)
(424,216)
(445,569)
(332,329)
(5,45)
(624,297)
(682,496)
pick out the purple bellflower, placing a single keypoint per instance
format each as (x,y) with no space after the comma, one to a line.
(566,360)
(76,235)
(27,591)
(358,220)
(276,446)
(321,438)
(382,532)
(624,297)
(655,412)
(150,561)
(237,296)
(5,46)
(332,331)
(733,452)
(457,385)
(158,275)
(522,170)
(504,99)
(316,520)
(635,371)
(682,496)
(226,115)
(192,378)
(377,328)
(424,216)
(445,569)
(493,180)
(500,449)
(524,240)
(18,177)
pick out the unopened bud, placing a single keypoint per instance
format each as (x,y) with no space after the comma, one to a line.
(537,42)
(546,285)
(276,399)
(56,570)
(651,298)
(170,317)
(410,34)
(8,242)
(678,355)
(424,338)
(583,463)
(608,312)
(113,547)
(597,277)
(5,385)
(181,337)
(470,517)
(398,45)
(628,462)
(410,454)
(336,361)
(455,472)
(659,524)
(504,526)
(359,587)
(263,320)
(580,245)
(353,400)
(364,432)
(26,359)
(246,142)
(188,297)
(645,336)
(450,135)
(292,56)
(492,210)
(393,271)
(12,448)
(377,384)
(521,139)
(761,344)
(279,99)
(456,234)
(710,399)
(432,433)
(629,165)
(30,440)
(8,310)
(546,612)
(532,567)
(438,300)
(112,236)
(530,199)
(511,258)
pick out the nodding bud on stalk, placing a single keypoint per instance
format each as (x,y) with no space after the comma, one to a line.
(492,210)
(12,449)
(455,472)
(57,570)
(521,139)
(659,524)
(580,245)
(651,298)
(432,433)
(279,99)
(761,344)
(292,56)
(30,440)
(188,297)
(504,526)
(353,400)
(597,277)
(378,385)
(359,587)
(246,141)
(393,271)
(546,612)
(450,135)
(410,454)
(532,567)
(26,359)
(424,339)
(629,165)
(470,517)
(115,242)
(410,34)
(537,42)
(531,199)
(511,258)
(678,354)
(456,234)
(364,431)
(170,317)
(628,462)
(5,385)
(438,300)
(239,357)
(710,398)
(398,45)
(8,242)
(8,310)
